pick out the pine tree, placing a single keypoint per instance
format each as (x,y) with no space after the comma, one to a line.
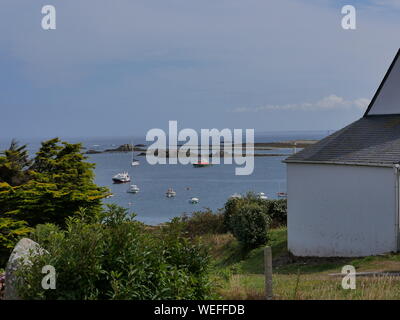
(55,185)
(14,164)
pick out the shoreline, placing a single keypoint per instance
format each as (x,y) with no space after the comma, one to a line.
(258,146)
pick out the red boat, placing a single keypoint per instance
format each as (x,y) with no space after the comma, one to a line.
(200,164)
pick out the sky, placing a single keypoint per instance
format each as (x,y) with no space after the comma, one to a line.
(123,67)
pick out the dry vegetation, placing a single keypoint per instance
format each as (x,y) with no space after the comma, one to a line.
(311,287)
(241,274)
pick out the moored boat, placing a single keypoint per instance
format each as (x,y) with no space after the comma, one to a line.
(201,163)
(134,162)
(262,196)
(122,177)
(194,200)
(133,189)
(170,193)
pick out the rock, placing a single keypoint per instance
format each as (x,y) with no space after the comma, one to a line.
(24,249)
(92,151)
(121,148)
(2,280)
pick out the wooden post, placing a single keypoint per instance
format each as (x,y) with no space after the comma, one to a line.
(268,272)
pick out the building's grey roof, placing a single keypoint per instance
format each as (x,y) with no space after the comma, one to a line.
(387,97)
(371,140)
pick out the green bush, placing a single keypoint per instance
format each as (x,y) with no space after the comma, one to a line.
(276,210)
(203,222)
(112,256)
(250,210)
(249,224)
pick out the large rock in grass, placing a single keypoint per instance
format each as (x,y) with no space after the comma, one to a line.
(24,249)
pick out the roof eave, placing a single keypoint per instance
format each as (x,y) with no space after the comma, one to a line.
(365,164)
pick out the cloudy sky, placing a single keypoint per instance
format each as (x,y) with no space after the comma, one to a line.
(122,67)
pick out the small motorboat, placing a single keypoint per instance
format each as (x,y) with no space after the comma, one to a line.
(281,194)
(194,200)
(133,189)
(121,178)
(236,196)
(262,196)
(170,193)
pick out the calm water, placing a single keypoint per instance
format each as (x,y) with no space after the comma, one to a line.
(212,185)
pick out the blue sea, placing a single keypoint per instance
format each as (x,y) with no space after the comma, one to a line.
(212,185)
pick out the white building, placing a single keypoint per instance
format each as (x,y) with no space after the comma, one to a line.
(343,192)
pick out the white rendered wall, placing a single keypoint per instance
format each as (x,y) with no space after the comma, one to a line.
(338,210)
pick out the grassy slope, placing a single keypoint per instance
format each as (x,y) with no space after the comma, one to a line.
(296,278)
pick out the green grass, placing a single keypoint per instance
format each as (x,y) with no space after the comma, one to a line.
(310,287)
(227,252)
(242,273)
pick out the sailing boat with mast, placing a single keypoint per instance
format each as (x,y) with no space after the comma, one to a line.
(135,162)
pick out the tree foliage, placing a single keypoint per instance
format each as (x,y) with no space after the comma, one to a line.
(46,189)
(11,230)
(14,164)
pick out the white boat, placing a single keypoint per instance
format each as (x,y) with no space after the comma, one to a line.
(133,188)
(134,162)
(170,193)
(194,200)
(236,196)
(122,177)
(262,196)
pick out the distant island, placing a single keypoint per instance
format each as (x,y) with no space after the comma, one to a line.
(258,146)
(122,148)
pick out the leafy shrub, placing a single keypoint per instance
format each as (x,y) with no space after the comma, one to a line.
(276,210)
(249,224)
(112,256)
(203,222)
(250,210)
(233,205)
